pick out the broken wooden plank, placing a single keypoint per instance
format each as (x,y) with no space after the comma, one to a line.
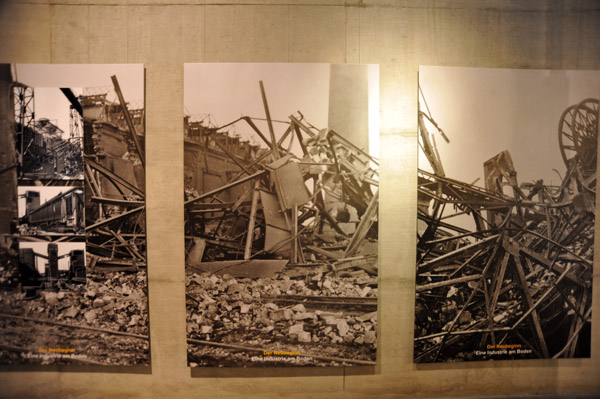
(534,318)
(114,218)
(114,178)
(129,248)
(118,264)
(250,234)
(515,248)
(128,119)
(366,221)
(497,282)
(269,121)
(429,265)
(445,283)
(326,253)
(573,336)
(296,241)
(252,268)
(196,252)
(118,202)
(225,187)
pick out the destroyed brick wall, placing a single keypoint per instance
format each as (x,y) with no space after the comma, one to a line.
(208,162)
(207,170)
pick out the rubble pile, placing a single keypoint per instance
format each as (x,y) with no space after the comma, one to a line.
(257,313)
(115,302)
(519,284)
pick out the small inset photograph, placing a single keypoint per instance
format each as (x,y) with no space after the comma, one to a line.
(51,210)
(52,266)
(48,133)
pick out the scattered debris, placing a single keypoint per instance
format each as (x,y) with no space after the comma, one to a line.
(86,303)
(519,284)
(250,314)
(81,319)
(276,237)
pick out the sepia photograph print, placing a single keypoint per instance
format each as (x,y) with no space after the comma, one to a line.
(49,134)
(73,281)
(281,214)
(47,210)
(506,213)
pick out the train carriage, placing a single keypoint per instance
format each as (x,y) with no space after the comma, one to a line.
(61,214)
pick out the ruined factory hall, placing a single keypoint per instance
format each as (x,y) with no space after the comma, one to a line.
(281,219)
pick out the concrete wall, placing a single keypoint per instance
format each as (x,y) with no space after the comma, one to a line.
(349,103)
(399,35)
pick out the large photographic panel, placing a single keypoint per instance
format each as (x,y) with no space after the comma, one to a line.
(73,249)
(506,213)
(281,206)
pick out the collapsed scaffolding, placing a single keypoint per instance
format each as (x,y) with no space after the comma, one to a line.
(519,284)
(277,208)
(114,178)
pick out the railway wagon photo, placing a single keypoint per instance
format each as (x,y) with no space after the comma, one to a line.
(48,210)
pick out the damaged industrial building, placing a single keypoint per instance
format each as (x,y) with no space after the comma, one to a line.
(73,285)
(42,150)
(115,180)
(281,243)
(518,285)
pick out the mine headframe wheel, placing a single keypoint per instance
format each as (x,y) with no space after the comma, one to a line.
(578,135)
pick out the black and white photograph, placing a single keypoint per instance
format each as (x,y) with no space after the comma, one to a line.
(49,133)
(506,199)
(52,266)
(73,269)
(281,214)
(47,210)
